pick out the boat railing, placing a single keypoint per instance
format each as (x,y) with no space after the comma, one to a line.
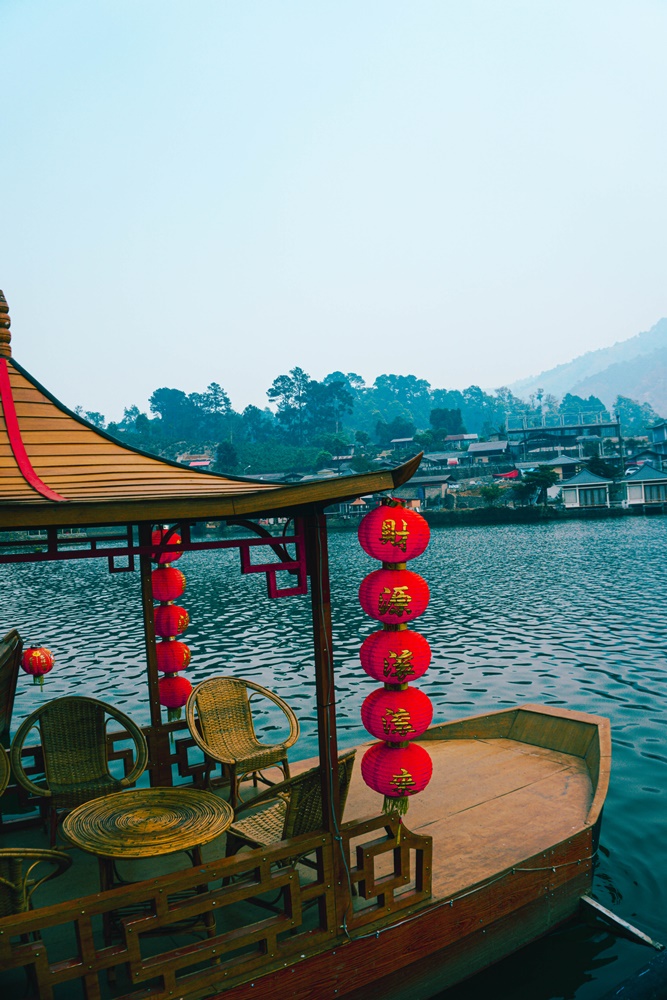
(251,913)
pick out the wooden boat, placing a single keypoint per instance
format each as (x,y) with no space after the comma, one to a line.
(496,852)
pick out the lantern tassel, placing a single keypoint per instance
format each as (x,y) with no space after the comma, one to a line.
(396,804)
(173,714)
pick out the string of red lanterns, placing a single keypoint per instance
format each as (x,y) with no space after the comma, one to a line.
(395,713)
(171,620)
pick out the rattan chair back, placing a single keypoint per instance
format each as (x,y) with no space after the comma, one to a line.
(16,876)
(5,769)
(304,804)
(292,808)
(11,648)
(225,729)
(220,720)
(74,746)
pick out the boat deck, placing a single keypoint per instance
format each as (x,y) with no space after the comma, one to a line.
(490,804)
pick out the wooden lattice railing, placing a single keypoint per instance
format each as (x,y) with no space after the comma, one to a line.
(234,919)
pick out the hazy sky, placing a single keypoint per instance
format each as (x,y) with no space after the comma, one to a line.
(209,190)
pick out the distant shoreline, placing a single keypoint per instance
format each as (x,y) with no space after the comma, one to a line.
(500,515)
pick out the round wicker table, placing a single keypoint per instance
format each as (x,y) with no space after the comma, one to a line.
(147,823)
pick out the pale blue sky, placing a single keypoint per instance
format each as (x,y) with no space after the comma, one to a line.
(209,190)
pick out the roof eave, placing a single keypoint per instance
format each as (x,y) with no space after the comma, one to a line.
(288,498)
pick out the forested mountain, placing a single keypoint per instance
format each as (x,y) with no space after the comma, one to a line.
(311,424)
(636,368)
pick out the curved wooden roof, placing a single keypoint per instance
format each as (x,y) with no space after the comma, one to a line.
(56,468)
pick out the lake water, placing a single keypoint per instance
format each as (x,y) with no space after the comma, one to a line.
(566,613)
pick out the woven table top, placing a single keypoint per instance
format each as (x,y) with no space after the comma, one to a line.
(147,822)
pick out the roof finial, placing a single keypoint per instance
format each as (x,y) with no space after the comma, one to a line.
(5,323)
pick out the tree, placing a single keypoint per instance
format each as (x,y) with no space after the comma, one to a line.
(446,421)
(326,404)
(540,479)
(399,427)
(289,392)
(600,468)
(573,407)
(217,400)
(323,460)
(177,412)
(491,494)
(256,424)
(362,439)
(635,417)
(226,457)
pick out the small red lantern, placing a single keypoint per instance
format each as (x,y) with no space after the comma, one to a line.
(170,620)
(167,537)
(393,533)
(168,583)
(37,661)
(395,657)
(172,656)
(174,692)
(397,773)
(397,715)
(394,595)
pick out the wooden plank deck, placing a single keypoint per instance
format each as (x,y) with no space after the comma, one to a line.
(490,804)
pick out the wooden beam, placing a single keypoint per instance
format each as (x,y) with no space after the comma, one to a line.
(158,737)
(622,926)
(320,594)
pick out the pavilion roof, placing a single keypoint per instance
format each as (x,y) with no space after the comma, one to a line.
(647,474)
(57,469)
(586,478)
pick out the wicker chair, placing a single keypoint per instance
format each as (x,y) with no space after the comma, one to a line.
(5,769)
(74,746)
(220,720)
(297,808)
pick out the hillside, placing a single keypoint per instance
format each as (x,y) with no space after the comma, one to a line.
(636,367)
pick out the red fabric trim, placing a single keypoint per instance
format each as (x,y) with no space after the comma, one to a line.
(15,439)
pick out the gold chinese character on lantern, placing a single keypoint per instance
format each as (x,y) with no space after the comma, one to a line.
(397,723)
(403,782)
(399,665)
(394,601)
(393,535)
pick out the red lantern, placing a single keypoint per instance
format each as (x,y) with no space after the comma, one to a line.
(37,661)
(168,583)
(395,657)
(393,533)
(174,692)
(397,773)
(172,656)
(397,715)
(168,537)
(170,620)
(394,595)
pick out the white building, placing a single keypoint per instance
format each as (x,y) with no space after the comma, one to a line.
(646,486)
(586,490)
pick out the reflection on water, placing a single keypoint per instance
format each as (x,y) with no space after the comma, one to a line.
(562,614)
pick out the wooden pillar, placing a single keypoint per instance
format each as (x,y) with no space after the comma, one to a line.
(318,569)
(159,749)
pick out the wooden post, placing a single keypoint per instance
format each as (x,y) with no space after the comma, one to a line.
(318,570)
(159,767)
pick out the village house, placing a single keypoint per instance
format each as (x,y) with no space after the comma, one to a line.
(586,490)
(646,486)
(488,451)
